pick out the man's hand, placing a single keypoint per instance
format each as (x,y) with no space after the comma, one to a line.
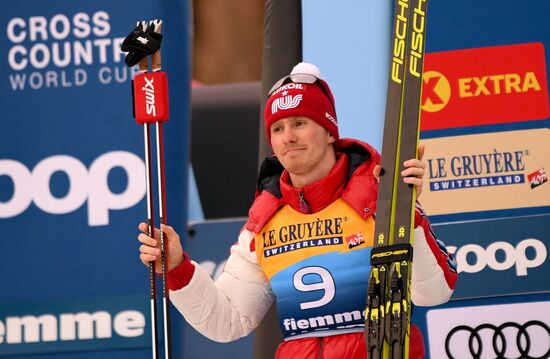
(413,172)
(150,247)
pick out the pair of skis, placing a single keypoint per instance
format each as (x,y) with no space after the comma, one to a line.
(388,312)
(150,93)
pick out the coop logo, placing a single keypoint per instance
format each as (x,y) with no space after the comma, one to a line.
(501,256)
(477,170)
(85,185)
(465,88)
(57,51)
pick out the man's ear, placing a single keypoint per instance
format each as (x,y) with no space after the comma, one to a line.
(331,138)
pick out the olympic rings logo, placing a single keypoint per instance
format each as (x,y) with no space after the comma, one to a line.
(499,342)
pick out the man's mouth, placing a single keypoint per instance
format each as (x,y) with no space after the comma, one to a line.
(292,150)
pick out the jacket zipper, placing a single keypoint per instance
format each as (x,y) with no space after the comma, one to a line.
(320,348)
(304,206)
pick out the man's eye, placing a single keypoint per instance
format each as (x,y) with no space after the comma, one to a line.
(276,129)
(300,123)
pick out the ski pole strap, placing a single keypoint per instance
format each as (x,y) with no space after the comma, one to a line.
(391,253)
(140,43)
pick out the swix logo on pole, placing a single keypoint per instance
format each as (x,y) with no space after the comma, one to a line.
(149,90)
(484,86)
(151,97)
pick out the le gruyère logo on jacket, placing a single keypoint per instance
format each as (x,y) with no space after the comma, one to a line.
(292,237)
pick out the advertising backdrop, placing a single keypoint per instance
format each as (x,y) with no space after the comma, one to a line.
(72,175)
(485,123)
(72,188)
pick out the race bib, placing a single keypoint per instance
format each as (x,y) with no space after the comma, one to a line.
(318,265)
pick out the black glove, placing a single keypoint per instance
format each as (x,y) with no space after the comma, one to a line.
(140,44)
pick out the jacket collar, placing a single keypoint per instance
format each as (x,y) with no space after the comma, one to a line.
(357,187)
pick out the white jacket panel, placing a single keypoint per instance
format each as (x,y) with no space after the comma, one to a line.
(429,285)
(235,304)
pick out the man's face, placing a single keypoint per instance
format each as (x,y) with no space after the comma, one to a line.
(302,145)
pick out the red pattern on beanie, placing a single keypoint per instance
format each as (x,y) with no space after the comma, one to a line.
(300,99)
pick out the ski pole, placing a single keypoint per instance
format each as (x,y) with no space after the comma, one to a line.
(150,91)
(143,68)
(157,66)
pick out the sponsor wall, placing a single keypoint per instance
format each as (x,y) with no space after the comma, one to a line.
(72,176)
(495,171)
(71,185)
(486,127)
(485,122)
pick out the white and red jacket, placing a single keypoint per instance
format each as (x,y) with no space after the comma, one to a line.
(300,264)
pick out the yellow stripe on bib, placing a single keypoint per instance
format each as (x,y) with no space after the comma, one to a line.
(291,236)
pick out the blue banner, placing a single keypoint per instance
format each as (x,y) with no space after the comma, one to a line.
(76,324)
(72,180)
(506,256)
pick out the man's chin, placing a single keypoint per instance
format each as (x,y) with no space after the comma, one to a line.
(295,168)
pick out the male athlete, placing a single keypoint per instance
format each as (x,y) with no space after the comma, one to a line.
(307,240)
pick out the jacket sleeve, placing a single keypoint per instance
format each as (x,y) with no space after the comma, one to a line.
(434,272)
(231,307)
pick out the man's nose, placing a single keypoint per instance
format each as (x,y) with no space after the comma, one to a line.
(289,135)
